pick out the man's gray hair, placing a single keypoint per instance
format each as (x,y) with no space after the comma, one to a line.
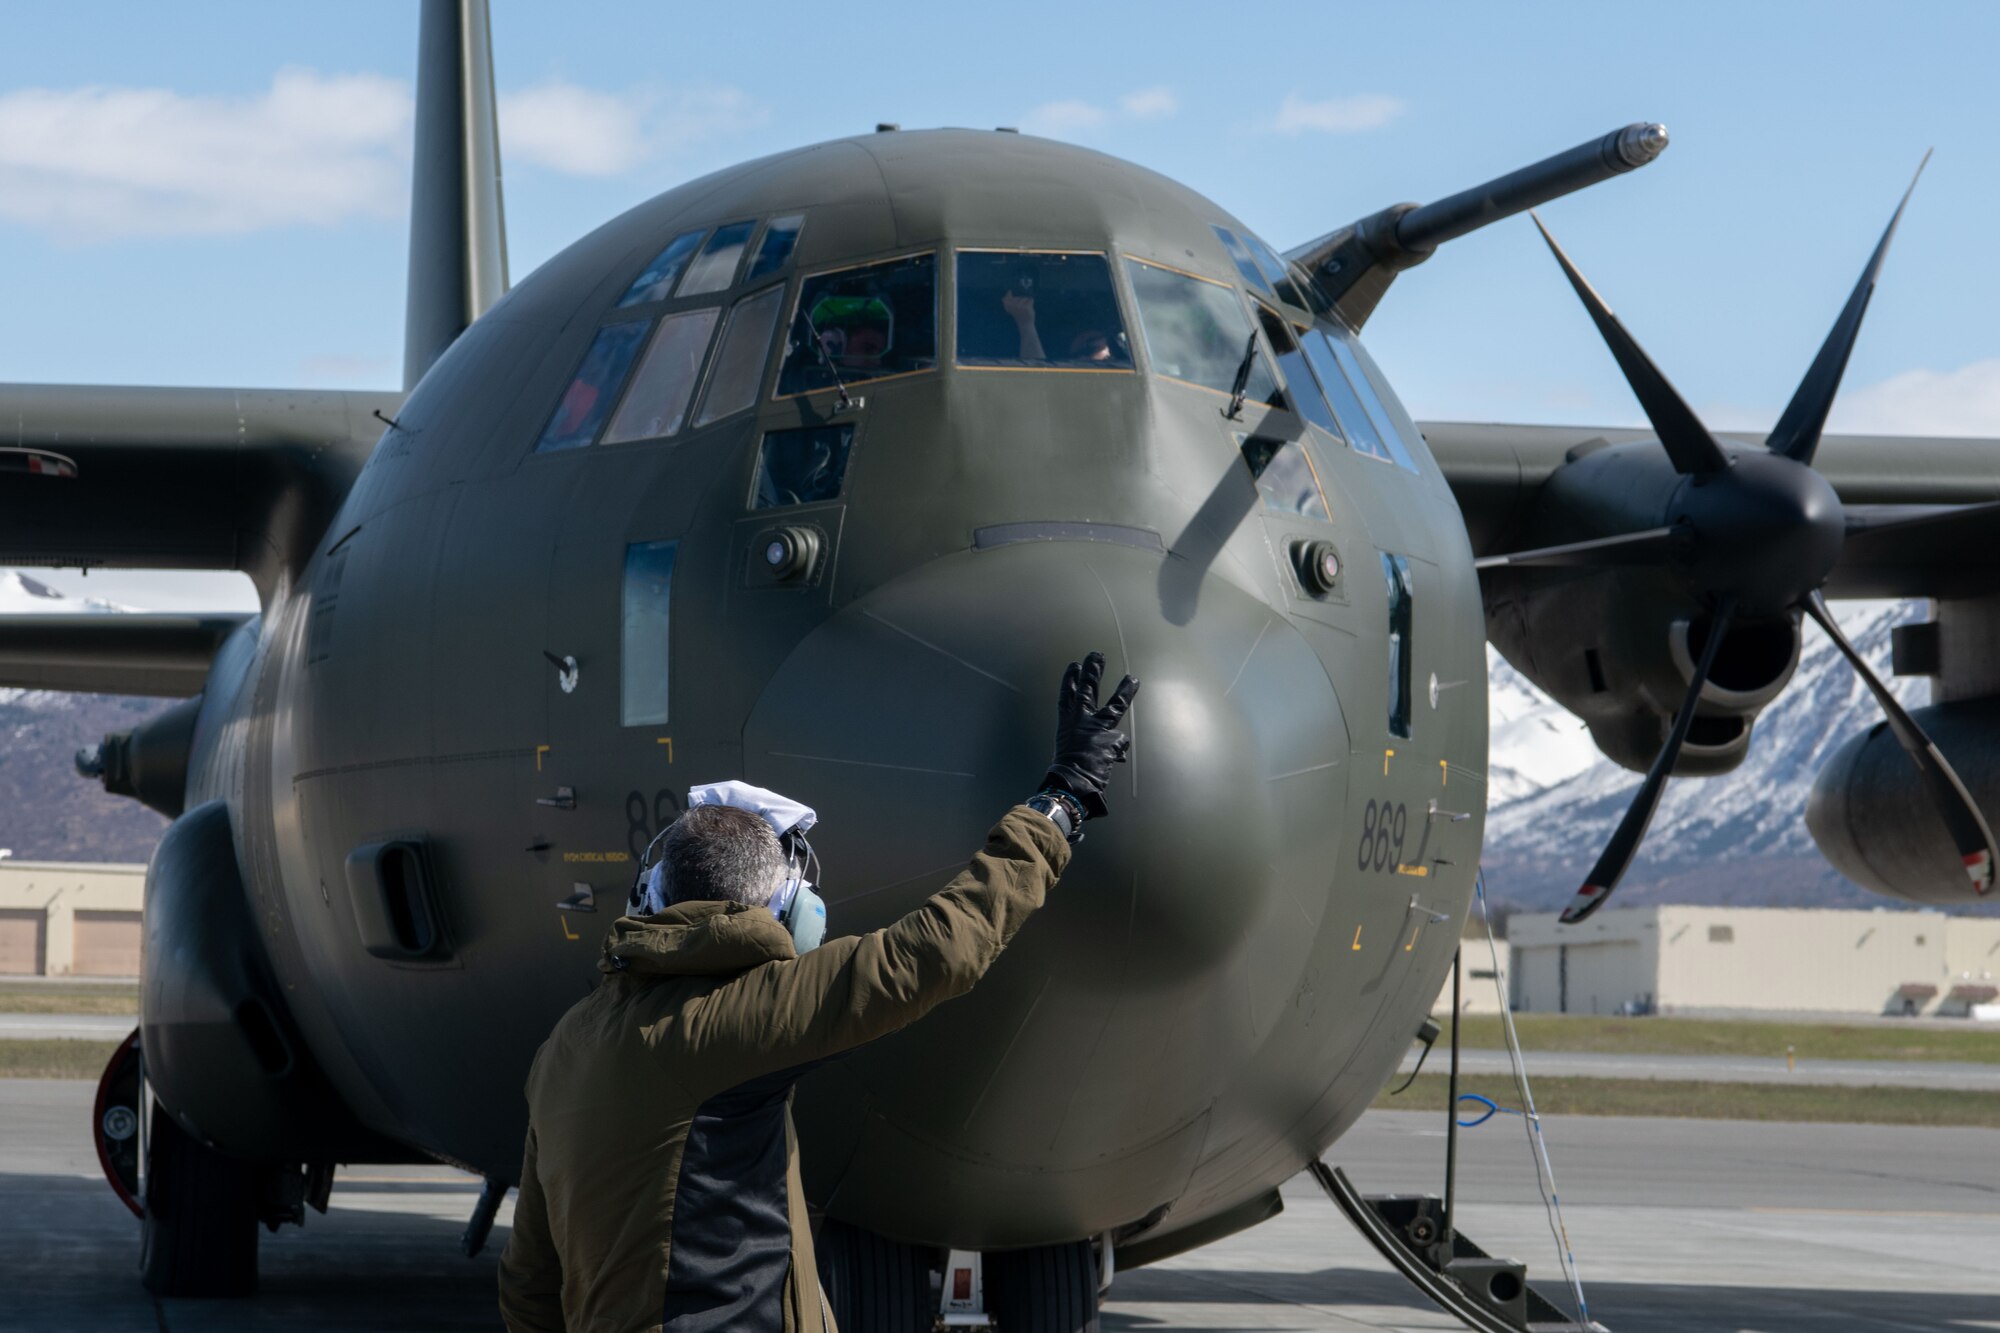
(721,852)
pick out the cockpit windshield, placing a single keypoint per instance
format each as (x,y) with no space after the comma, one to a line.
(1039,310)
(871,322)
(1197,332)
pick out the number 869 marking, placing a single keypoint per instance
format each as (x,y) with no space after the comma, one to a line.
(1383,827)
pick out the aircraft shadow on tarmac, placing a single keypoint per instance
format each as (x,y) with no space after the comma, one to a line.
(1623,1307)
(72,1264)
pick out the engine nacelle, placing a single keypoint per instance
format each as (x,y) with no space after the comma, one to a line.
(1874,820)
(221,1051)
(1620,656)
(1617,645)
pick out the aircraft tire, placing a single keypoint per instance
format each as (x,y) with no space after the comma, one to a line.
(873,1284)
(1048,1289)
(199,1233)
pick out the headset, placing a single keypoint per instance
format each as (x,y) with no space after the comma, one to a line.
(796,904)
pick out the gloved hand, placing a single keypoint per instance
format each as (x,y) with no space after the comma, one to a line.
(1088,741)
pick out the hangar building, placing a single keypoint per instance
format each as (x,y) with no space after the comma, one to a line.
(70,918)
(1738,960)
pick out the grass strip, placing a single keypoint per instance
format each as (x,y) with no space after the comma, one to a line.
(1691,1100)
(60,999)
(54,1057)
(1978,1044)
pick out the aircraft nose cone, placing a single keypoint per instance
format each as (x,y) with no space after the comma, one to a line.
(916,716)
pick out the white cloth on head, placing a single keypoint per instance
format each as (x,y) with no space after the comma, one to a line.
(782,813)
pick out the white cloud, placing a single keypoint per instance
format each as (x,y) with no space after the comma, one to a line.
(584,132)
(88,163)
(1057,119)
(1337,115)
(1150,103)
(1965,401)
(1071,117)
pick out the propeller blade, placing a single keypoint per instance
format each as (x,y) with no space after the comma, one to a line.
(1797,433)
(1681,433)
(1631,830)
(1650,546)
(1969,832)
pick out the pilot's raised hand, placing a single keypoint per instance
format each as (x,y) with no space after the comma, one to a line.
(1021,308)
(1088,741)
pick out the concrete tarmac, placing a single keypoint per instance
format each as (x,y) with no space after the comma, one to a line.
(1677,1226)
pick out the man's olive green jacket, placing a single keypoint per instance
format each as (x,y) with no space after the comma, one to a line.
(660,1187)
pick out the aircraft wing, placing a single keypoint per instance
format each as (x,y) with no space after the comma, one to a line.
(1916,519)
(143,478)
(164,655)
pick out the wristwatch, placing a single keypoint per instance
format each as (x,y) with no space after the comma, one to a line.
(1062,809)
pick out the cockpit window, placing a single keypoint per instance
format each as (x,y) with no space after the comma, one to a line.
(1368,425)
(1196,332)
(657,402)
(870,322)
(798,467)
(739,364)
(1261,266)
(1276,271)
(657,282)
(587,400)
(1285,476)
(1246,263)
(1355,425)
(775,250)
(1283,341)
(715,266)
(1039,310)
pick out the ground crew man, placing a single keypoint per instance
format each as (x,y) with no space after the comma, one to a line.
(660,1185)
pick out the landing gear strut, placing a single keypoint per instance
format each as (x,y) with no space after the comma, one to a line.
(199,1234)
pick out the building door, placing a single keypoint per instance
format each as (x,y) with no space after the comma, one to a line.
(22,942)
(107,944)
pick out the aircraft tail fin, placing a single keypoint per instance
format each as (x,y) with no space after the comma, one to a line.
(458,228)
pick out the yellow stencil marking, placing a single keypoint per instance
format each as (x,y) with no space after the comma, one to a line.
(1444,773)
(1387,755)
(667,741)
(1357,938)
(1421,872)
(597,856)
(563,921)
(540,750)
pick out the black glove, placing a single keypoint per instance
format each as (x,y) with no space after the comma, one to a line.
(1088,741)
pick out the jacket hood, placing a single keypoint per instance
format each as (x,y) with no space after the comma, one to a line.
(703,939)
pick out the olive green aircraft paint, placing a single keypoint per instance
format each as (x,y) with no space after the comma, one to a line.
(1230,968)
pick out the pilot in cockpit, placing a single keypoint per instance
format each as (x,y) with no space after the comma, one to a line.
(1089,345)
(857,331)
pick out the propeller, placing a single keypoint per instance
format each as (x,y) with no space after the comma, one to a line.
(1757,533)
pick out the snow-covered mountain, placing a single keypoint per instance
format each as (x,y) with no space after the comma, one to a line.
(47,812)
(25,595)
(1737,838)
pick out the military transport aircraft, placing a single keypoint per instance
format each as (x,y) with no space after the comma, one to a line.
(813,472)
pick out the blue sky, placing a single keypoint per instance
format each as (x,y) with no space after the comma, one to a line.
(213,194)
